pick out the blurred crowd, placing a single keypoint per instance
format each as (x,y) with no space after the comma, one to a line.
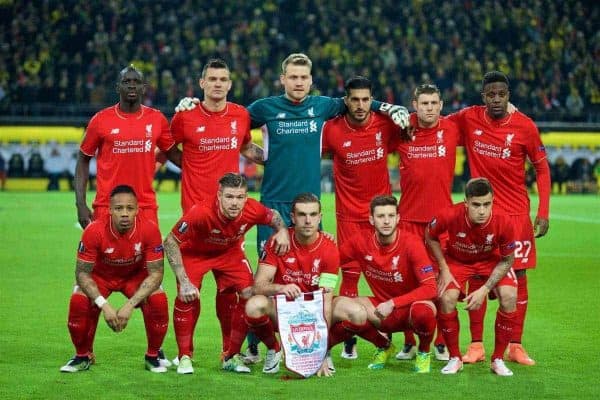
(69,52)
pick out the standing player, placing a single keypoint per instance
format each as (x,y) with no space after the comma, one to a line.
(123,138)
(426,173)
(312,263)
(213,137)
(359,142)
(479,243)
(401,277)
(498,145)
(123,253)
(211,237)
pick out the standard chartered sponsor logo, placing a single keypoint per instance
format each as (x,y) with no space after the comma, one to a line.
(132,146)
(387,276)
(427,151)
(300,127)
(218,143)
(364,156)
(490,150)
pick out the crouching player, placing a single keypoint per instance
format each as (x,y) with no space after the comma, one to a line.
(401,276)
(118,253)
(480,243)
(311,264)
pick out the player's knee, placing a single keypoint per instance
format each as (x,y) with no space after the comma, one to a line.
(351,310)
(448,300)
(257,306)
(507,297)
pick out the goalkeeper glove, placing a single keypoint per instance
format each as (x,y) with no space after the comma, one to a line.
(398,114)
(187,104)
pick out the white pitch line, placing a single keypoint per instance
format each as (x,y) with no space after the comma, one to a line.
(562,217)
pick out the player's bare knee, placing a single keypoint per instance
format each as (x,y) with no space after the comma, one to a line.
(257,306)
(507,297)
(448,300)
(351,310)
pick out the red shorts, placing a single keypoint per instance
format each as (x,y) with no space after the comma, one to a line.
(399,320)
(347,229)
(126,285)
(525,254)
(462,272)
(147,213)
(231,269)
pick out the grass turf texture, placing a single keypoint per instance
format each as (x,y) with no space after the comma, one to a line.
(37,258)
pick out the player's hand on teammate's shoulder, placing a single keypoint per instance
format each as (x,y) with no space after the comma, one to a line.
(398,114)
(187,104)
(281,242)
(541,226)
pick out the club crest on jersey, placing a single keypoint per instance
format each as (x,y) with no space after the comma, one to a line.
(316,265)
(303,337)
(200,129)
(114,131)
(149,130)
(137,247)
(509,139)
(489,238)
(242,229)
(311,112)
(234,130)
(378,139)
(395,260)
(440,136)
(182,227)
(478,132)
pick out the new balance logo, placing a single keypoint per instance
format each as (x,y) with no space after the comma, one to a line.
(290,260)
(280,116)
(114,131)
(200,129)
(461,235)
(347,143)
(478,132)
(110,250)
(369,258)
(215,231)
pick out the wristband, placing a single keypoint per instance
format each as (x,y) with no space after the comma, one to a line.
(328,280)
(100,301)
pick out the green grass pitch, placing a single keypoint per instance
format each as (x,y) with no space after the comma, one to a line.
(37,258)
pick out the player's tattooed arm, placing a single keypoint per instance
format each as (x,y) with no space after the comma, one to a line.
(83,277)
(499,271)
(254,153)
(475,299)
(187,291)
(281,239)
(150,284)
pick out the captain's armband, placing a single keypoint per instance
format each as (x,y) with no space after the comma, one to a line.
(328,280)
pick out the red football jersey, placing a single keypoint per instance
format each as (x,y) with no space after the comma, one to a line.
(497,150)
(469,243)
(302,265)
(205,230)
(427,170)
(117,255)
(359,162)
(392,271)
(211,148)
(125,144)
